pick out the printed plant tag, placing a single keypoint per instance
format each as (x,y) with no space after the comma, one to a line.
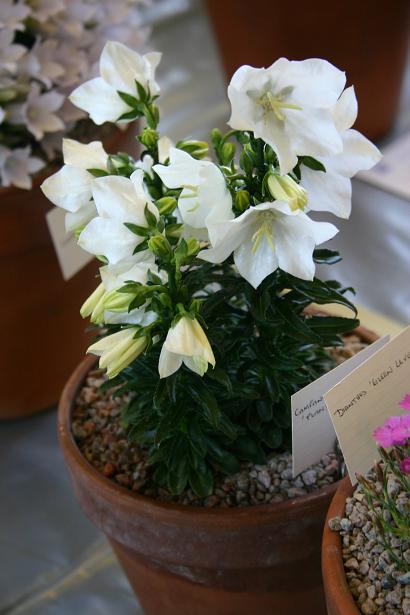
(70,257)
(392,173)
(313,434)
(366,398)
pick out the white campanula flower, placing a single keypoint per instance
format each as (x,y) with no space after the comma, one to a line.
(12,14)
(38,112)
(205,198)
(164,147)
(106,305)
(120,67)
(185,343)
(288,105)
(17,166)
(10,53)
(118,350)
(71,187)
(332,190)
(268,236)
(118,200)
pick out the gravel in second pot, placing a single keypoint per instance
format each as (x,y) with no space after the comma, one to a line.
(378,586)
(103,442)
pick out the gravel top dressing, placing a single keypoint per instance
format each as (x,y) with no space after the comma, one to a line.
(103,441)
(377,584)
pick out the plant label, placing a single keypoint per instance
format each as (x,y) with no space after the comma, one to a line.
(313,434)
(70,257)
(365,398)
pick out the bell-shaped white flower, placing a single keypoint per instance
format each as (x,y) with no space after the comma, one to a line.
(288,105)
(205,198)
(332,190)
(118,350)
(120,68)
(37,112)
(17,166)
(118,200)
(268,236)
(185,343)
(70,188)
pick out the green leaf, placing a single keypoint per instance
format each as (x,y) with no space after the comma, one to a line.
(326,257)
(142,93)
(97,172)
(202,483)
(313,164)
(249,450)
(141,231)
(150,217)
(129,100)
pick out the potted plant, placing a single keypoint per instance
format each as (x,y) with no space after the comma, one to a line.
(46,49)
(366,540)
(179,444)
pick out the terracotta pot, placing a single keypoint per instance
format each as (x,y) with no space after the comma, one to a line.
(339,600)
(39,310)
(366,39)
(196,561)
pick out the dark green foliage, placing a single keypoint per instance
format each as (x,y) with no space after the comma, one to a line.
(266,348)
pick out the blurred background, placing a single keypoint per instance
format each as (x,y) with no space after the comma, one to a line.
(54,561)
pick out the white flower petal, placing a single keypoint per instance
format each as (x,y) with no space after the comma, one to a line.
(327,191)
(345,110)
(255,266)
(69,188)
(80,218)
(115,198)
(109,238)
(359,154)
(168,363)
(85,155)
(183,170)
(121,66)
(100,101)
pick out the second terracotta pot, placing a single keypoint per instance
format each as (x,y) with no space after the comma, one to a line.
(195,561)
(339,599)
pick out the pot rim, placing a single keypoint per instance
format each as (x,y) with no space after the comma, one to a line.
(257,514)
(337,590)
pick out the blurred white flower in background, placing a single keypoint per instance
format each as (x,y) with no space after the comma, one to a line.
(57,47)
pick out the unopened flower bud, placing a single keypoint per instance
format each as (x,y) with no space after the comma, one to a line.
(90,304)
(193,246)
(227,152)
(242,200)
(197,149)
(149,138)
(160,246)
(117,302)
(166,205)
(216,137)
(284,188)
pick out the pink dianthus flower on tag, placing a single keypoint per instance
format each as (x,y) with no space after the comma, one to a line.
(405,403)
(395,431)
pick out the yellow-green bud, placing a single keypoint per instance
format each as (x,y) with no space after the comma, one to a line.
(227,152)
(160,246)
(284,188)
(149,138)
(216,136)
(242,200)
(197,149)
(117,302)
(166,205)
(90,304)
(193,246)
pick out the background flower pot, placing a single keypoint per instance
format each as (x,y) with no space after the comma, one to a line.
(39,309)
(339,600)
(195,561)
(366,39)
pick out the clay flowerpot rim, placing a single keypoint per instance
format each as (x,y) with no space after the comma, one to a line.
(338,595)
(168,511)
